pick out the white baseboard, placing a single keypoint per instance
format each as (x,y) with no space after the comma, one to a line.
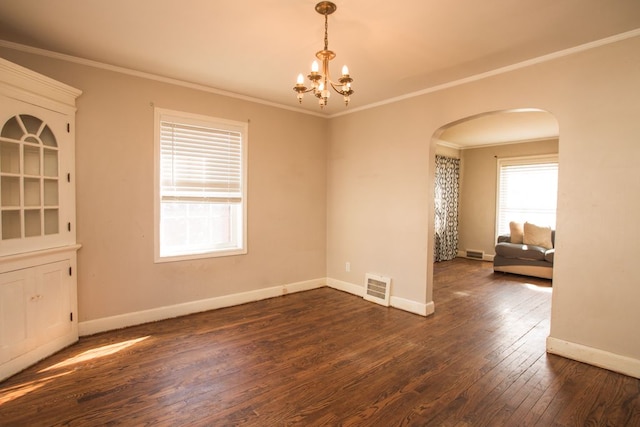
(357,290)
(593,356)
(136,318)
(306,285)
(413,306)
(396,302)
(91,327)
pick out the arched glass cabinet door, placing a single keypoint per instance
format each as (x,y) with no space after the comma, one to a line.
(29,179)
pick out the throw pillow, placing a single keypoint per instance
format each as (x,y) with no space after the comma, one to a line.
(537,236)
(516,232)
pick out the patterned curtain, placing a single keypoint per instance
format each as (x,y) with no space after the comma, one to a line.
(446,208)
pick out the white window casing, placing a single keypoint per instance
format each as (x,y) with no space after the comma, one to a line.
(200,186)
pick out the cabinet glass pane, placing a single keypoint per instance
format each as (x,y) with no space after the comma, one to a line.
(51,221)
(12,129)
(31,123)
(51,192)
(10,191)
(10,225)
(50,160)
(32,223)
(31,160)
(48,138)
(31,192)
(9,157)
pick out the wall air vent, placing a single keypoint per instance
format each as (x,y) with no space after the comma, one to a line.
(474,254)
(377,289)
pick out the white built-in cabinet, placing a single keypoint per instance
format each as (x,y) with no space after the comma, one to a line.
(38,287)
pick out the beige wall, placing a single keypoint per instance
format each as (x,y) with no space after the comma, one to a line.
(477,214)
(371,197)
(377,198)
(380,181)
(114,166)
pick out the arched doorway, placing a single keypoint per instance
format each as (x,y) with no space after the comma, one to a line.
(514,308)
(478,142)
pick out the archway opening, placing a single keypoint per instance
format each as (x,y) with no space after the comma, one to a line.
(481,143)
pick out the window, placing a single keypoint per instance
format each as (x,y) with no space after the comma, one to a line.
(200,192)
(527,191)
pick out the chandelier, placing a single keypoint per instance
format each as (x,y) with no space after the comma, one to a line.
(321,81)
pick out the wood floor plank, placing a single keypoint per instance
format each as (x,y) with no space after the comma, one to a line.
(324,357)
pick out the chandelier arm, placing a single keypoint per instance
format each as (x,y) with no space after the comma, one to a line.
(303,89)
(340,91)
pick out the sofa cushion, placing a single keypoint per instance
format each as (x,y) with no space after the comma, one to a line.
(537,236)
(548,255)
(517,232)
(514,250)
(504,238)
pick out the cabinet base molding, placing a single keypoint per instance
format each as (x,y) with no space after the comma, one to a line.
(22,362)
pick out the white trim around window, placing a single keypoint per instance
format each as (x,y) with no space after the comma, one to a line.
(527,190)
(200,186)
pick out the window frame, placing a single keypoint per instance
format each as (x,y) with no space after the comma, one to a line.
(514,161)
(161,114)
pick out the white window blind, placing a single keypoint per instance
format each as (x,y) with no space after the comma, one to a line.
(199,163)
(527,192)
(200,186)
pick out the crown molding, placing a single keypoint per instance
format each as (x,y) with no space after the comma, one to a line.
(149,76)
(432,89)
(23,83)
(498,71)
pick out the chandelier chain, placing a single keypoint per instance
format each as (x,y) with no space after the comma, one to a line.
(326,31)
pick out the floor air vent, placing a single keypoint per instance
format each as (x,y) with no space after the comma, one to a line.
(377,289)
(475,254)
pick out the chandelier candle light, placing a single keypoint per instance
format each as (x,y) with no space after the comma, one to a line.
(320,82)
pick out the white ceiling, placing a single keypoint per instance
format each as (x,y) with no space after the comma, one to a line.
(257,48)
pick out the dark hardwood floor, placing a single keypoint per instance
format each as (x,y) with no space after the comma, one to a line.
(324,357)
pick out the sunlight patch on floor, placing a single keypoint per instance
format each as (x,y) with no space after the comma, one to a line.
(462,294)
(23,389)
(546,289)
(94,353)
